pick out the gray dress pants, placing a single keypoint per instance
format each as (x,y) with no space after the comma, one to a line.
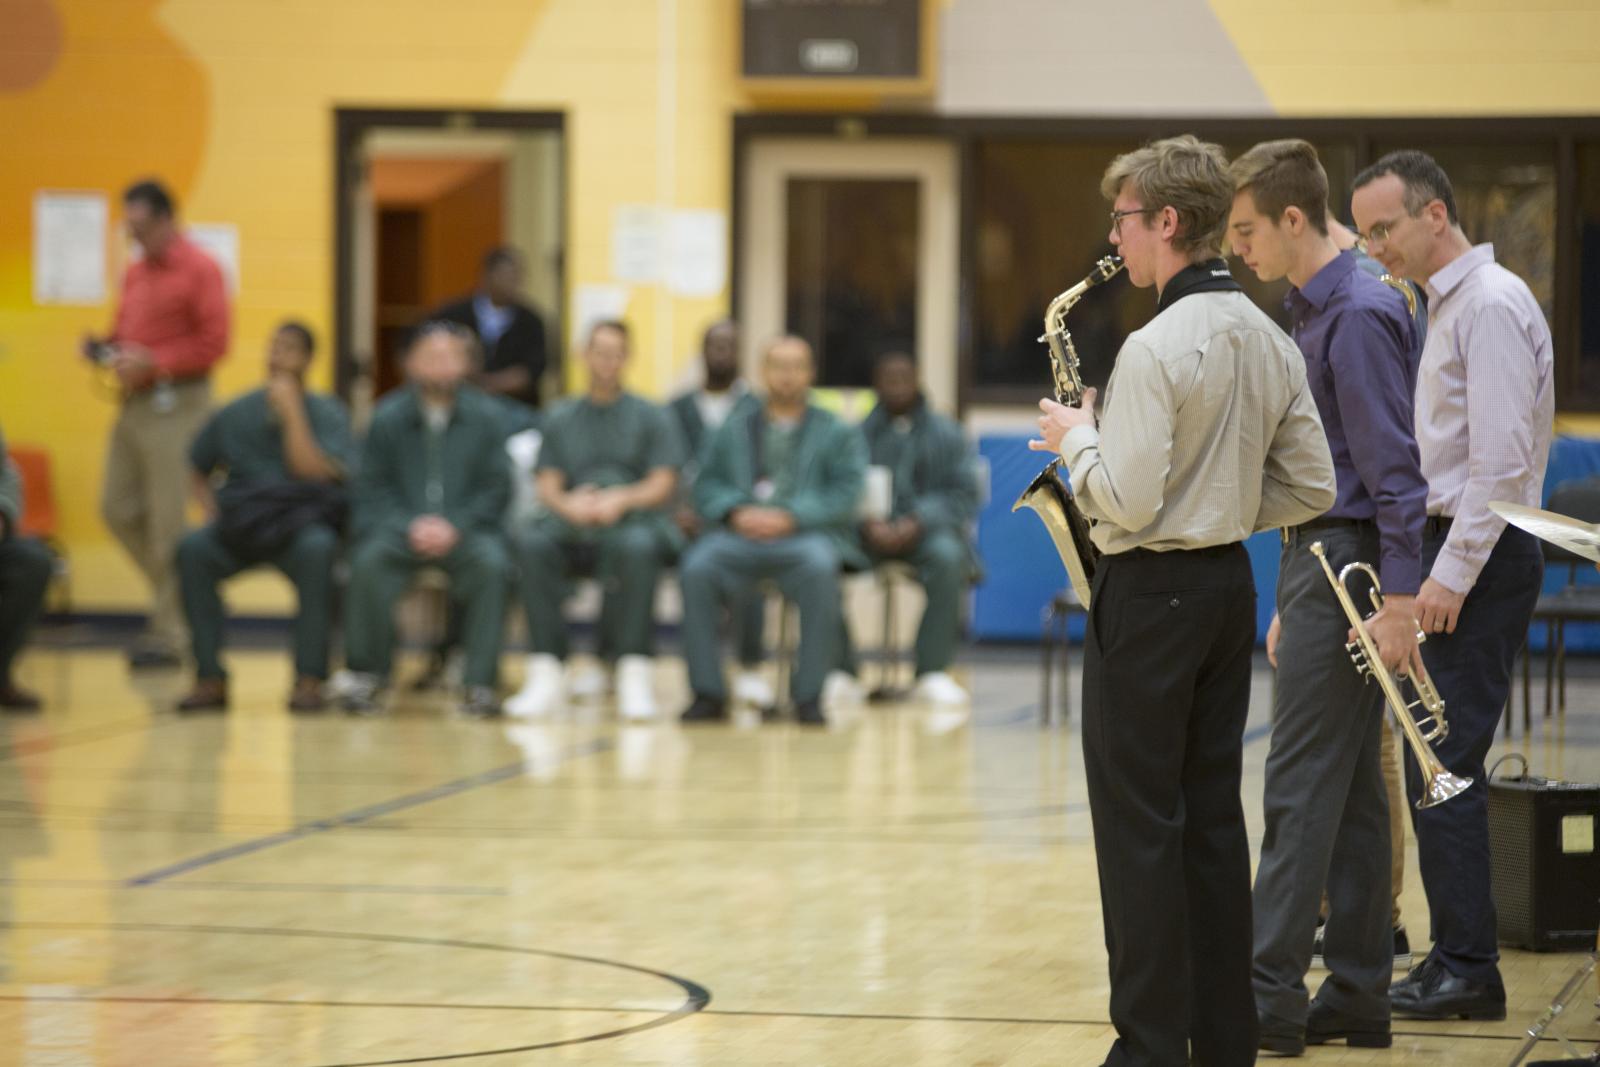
(1327,811)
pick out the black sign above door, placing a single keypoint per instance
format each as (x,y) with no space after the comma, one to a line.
(833,44)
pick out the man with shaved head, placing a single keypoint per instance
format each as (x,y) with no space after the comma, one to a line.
(777,491)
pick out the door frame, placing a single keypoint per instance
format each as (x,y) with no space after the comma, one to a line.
(763,162)
(350,127)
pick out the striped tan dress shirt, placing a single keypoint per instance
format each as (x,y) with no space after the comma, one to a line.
(1207,434)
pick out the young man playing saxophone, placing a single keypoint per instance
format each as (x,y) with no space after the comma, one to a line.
(1326,807)
(1208,434)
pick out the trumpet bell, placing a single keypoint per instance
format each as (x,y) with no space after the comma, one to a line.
(1440,786)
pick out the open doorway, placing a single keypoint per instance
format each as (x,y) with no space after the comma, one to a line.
(422,196)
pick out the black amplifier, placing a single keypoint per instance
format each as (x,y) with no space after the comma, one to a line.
(1544,870)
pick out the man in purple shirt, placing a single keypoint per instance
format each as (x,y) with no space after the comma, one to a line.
(1327,810)
(1488,353)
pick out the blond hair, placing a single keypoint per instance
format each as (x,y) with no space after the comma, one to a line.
(1186,174)
(1281,175)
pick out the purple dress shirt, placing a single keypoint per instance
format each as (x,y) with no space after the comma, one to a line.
(1362,352)
(1488,356)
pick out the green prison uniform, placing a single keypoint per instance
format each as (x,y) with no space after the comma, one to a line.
(749,617)
(815,472)
(603,445)
(408,469)
(25,568)
(935,475)
(244,442)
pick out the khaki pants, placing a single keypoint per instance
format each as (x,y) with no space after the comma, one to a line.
(146,488)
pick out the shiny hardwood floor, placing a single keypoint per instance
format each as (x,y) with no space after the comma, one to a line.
(907,887)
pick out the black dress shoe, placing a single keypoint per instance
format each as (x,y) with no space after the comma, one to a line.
(705,709)
(1325,1024)
(1282,1038)
(14,699)
(153,659)
(1430,991)
(809,713)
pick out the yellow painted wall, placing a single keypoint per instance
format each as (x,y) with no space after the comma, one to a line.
(232,102)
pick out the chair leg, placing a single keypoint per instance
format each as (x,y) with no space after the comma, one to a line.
(1561,671)
(1046,665)
(1066,669)
(1549,670)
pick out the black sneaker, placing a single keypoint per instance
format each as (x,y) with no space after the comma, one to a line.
(1402,948)
(1592,1060)
(809,713)
(705,709)
(480,702)
(358,693)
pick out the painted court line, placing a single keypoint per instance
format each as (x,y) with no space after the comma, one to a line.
(354,818)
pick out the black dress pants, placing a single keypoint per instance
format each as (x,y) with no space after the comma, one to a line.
(1166,693)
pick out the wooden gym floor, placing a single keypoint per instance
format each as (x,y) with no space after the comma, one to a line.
(904,888)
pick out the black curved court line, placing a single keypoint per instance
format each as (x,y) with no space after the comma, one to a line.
(356,817)
(696,996)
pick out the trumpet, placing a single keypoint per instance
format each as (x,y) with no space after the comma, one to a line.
(1048,494)
(1438,784)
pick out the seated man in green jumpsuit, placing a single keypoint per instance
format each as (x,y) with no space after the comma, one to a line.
(700,412)
(607,470)
(777,490)
(282,454)
(432,490)
(933,475)
(25,566)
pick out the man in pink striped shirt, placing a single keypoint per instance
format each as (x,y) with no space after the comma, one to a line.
(1485,407)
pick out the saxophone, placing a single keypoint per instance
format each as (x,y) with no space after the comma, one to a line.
(1048,495)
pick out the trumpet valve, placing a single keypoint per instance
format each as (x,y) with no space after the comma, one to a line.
(1359,658)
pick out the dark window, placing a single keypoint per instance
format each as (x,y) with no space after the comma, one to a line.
(1586,379)
(853,249)
(1042,224)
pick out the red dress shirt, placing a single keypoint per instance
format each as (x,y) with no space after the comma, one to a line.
(175,305)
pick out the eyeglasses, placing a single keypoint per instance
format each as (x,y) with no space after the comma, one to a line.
(1118,216)
(1378,231)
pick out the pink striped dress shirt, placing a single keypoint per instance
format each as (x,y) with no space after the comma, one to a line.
(1485,406)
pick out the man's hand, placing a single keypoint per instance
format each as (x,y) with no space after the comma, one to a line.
(609,507)
(762,523)
(1394,628)
(134,365)
(285,396)
(432,536)
(1274,632)
(688,521)
(1058,420)
(580,506)
(879,535)
(1438,608)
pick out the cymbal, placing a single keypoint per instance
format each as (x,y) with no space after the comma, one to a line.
(1576,536)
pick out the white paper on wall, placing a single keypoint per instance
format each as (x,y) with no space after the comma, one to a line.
(697,253)
(69,248)
(220,241)
(636,243)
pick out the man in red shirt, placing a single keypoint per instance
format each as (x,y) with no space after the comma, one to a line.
(171,327)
